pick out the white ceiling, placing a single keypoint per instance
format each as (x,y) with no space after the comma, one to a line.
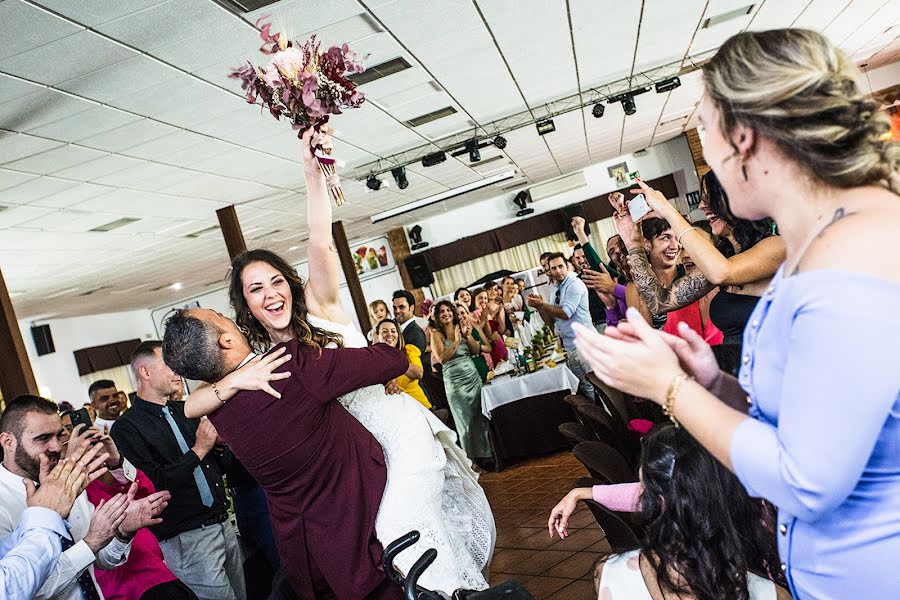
(124,109)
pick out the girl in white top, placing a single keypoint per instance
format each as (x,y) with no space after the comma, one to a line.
(704,534)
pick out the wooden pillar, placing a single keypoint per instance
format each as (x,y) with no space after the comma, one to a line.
(350,275)
(231,231)
(400,250)
(693,139)
(16,376)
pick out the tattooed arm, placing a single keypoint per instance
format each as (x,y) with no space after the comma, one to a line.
(659,299)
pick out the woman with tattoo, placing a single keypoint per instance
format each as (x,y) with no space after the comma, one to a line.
(813,422)
(742,263)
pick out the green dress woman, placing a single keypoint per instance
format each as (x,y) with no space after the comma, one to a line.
(462,382)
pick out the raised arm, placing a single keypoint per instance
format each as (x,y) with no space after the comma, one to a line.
(757,263)
(324,279)
(335,372)
(659,299)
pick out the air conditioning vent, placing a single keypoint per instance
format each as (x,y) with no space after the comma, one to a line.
(557,186)
(432,116)
(376,72)
(244,6)
(115,224)
(200,232)
(728,16)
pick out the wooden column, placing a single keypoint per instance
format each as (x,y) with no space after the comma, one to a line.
(693,139)
(16,376)
(350,275)
(400,250)
(231,231)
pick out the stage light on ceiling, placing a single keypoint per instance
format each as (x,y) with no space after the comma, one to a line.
(415,236)
(500,142)
(546,126)
(400,177)
(435,158)
(598,110)
(474,152)
(373,183)
(667,85)
(521,200)
(628,105)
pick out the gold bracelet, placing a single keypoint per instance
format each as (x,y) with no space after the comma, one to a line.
(672,393)
(216,392)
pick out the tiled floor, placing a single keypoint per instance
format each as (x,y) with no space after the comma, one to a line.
(522,497)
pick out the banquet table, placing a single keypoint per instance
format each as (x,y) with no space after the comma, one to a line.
(525,412)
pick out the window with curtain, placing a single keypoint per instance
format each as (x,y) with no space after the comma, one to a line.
(517,258)
(122,376)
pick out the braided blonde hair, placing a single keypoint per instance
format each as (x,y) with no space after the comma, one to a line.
(797,89)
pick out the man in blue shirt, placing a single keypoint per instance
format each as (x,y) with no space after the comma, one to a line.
(570,306)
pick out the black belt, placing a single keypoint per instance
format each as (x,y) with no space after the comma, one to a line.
(215,520)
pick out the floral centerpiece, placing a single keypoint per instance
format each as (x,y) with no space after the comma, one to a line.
(305,85)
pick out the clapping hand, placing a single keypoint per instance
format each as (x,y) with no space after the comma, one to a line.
(534,300)
(62,485)
(142,513)
(105,521)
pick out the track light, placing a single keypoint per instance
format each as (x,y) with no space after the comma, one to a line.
(415,236)
(400,177)
(628,105)
(474,152)
(667,85)
(373,183)
(500,142)
(435,158)
(598,110)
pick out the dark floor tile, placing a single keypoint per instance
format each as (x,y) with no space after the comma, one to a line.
(578,590)
(537,563)
(539,540)
(580,539)
(541,587)
(506,558)
(574,567)
(600,547)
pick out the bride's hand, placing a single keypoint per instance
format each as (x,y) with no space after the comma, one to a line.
(259,372)
(392,387)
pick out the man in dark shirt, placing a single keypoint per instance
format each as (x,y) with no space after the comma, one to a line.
(178,454)
(595,305)
(404,306)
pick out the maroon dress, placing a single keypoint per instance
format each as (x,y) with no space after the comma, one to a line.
(323,472)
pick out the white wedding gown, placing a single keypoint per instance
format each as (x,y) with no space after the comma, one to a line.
(431,487)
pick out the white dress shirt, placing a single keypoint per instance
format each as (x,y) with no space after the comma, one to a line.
(101,423)
(62,583)
(30,552)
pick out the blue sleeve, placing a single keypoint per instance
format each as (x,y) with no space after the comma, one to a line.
(839,387)
(30,552)
(575,296)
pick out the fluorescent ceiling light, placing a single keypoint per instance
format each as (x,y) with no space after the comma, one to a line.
(469,187)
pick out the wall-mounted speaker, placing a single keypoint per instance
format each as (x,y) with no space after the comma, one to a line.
(43,339)
(419,270)
(575,210)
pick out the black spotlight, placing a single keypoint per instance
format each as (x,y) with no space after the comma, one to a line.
(472,149)
(598,110)
(400,177)
(373,183)
(415,236)
(521,200)
(667,85)
(435,158)
(628,105)
(500,142)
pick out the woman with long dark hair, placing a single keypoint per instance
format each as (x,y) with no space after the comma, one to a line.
(704,537)
(388,332)
(427,470)
(812,423)
(454,341)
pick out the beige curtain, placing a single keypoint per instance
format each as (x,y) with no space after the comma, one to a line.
(121,376)
(518,258)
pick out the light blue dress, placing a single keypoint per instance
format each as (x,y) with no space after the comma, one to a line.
(822,372)
(462,384)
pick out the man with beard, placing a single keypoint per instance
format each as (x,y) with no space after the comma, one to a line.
(29,428)
(108,403)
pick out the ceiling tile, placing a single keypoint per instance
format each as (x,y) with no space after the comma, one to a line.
(71,56)
(162,148)
(71,195)
(34,189)
(16,146)
(85,124)
(166,22)
(99,167)
(33,28)
(39,109)
(128,136)
(121,79)
(9,179)
(12,88)
(21,214)
(56,159)
(96,12)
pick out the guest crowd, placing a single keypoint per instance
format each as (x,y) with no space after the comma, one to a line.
(757,337)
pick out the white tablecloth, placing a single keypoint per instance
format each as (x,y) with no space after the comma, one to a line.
(510,389)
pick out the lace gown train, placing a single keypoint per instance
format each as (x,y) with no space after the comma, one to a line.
(431,486)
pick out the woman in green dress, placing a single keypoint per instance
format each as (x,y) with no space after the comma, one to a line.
(461,380)
(480,360)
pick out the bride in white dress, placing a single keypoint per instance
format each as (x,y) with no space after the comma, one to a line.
(431,486)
